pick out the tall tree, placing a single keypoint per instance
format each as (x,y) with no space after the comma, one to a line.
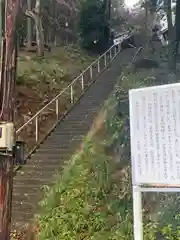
(171,36)
(7,84)
(118,14)
(39,29)
(94,25)
(53,30)
(29,25)
(155,5)
(1,19)
(177,27)
(150,7)
(35,14)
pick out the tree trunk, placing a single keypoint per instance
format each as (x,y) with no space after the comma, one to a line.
(29,26)
(146,19)
(35,15)
(53,30)
(39,30)
(177,27)
(7,111)
(1,21)
(151,23)
(2,18)
(148,29)
(171,38)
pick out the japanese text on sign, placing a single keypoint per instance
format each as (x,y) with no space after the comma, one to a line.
(155,134)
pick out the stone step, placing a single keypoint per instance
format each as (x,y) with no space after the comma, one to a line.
(60,145)
(21,218)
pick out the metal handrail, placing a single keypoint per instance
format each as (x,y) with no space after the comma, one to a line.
(117,49)
(64,90)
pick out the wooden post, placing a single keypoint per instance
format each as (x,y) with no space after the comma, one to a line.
(1,20)
(7,84)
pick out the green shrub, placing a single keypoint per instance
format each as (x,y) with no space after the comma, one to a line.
(92,199)
(84,204)
(58,67)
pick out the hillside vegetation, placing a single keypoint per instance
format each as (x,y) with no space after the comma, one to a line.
(92,198)
(41,79)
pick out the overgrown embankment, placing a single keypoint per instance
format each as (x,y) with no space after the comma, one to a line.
(92,198)
(40,79)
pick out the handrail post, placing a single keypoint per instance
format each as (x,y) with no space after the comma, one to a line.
(37,128)
(98,66)
(72,94)
(82,82)
(90,72)
(57,108)
(120,47)
(106,57)
(110,54)
(115,50)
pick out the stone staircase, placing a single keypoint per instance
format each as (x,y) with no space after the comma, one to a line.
(61,144)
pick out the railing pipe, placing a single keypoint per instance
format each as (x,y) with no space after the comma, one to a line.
(57,109)
(91,73)
(118,48)
(72,94)
(115,49)
(56,99)
(105,60)
(37,128)
(110,54)
(82,82)
(98,66)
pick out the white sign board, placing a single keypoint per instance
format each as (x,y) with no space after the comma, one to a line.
(120,39)
(117,41)
(155,143)
(155,134)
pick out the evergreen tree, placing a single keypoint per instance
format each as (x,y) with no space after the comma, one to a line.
(94,25)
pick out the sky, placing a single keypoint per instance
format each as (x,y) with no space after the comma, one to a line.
(130,3)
